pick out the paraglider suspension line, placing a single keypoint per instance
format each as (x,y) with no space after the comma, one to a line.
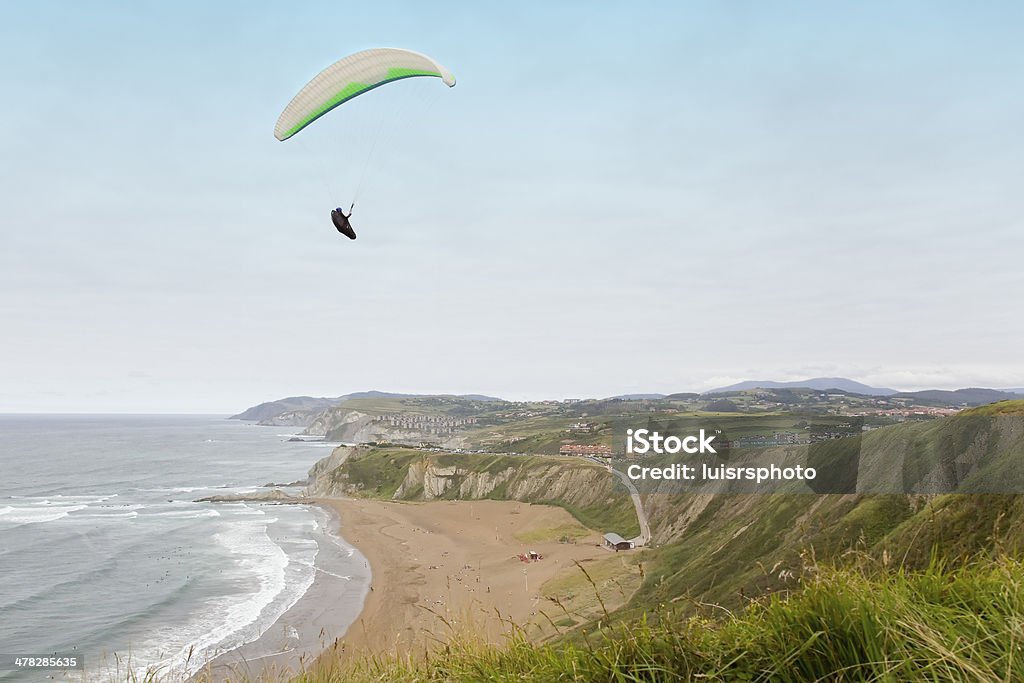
(369,157)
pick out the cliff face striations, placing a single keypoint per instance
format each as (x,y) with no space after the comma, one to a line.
(588,491)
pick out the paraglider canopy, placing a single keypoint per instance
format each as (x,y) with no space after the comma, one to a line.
(351,77)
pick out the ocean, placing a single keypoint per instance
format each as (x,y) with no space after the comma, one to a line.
(104,553)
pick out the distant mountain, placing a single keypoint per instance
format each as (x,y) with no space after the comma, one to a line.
(266,412)
(1019,391)
(973,396)
(816,383)
(271,409)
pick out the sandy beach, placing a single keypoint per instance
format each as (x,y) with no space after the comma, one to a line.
(435,569)
(454,565)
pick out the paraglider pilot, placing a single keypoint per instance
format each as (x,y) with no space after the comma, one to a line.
(340,220)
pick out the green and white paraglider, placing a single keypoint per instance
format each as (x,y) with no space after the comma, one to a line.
(347,79)
(351,77)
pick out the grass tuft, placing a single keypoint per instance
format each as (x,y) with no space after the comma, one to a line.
(863,623)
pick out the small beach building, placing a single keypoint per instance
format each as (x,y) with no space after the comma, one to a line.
(613,541)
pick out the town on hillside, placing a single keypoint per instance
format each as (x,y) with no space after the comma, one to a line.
(587,428)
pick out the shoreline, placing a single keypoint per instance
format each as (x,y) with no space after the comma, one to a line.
(306,629)
(432,570)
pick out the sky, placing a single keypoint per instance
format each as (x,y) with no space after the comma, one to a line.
(616,197)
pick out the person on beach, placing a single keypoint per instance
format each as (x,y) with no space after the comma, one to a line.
(340,220)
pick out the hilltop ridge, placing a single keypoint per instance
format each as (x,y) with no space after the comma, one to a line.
(819,383)
(304,411)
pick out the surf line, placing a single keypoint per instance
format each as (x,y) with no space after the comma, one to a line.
(337,576)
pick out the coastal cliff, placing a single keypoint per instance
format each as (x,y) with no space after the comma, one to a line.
(574,483)
(588,491)
(291,411)
(349,425)
(322,481)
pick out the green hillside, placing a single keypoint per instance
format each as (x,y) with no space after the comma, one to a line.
(736,546)
(914,585)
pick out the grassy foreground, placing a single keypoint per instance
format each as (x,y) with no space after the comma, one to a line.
(869,623)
